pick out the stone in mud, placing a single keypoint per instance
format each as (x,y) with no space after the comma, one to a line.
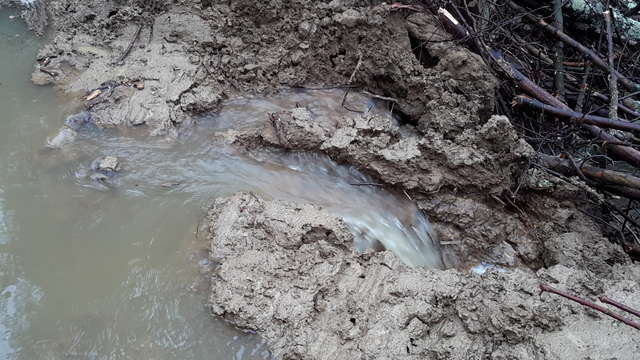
(288,271)
(106,165)
(297,129)
(109,163)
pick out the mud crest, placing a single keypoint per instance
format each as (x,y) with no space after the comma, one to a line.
(287,270)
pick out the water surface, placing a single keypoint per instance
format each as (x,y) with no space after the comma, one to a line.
(86,273)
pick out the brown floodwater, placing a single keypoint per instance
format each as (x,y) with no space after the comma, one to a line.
(111,270)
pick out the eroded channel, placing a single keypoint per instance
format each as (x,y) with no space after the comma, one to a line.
(105,268)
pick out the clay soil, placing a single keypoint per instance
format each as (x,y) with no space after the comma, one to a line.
(288,270)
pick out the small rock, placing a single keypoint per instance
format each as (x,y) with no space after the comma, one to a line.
(109,163)
(306,28)
(172,37)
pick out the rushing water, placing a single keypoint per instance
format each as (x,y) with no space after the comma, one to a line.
(105,270)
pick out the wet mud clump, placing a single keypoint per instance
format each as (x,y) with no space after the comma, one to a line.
(288,270)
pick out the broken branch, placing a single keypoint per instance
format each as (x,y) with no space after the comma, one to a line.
(130,46)
(620,306)
(590,304)
(576,116)
(605,176)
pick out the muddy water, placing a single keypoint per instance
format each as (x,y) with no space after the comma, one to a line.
(86,273)
(105,270)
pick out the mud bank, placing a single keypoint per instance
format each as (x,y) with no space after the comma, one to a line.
(190,55)
(287,270)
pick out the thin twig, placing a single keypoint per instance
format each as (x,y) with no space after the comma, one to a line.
(613,78)
(590,304)
(577,117)
(130,46)
(559,58)
(353,75)
(380,96)
(583,88)
(365,184)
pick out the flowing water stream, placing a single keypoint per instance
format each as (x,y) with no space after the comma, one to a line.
(105,270)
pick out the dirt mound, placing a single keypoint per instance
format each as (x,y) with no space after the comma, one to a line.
(463,182)
(193,54)
(287,271)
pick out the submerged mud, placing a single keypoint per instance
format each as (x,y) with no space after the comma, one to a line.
(287,268)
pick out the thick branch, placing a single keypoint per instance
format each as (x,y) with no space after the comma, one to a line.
(600,175)
(576,116)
